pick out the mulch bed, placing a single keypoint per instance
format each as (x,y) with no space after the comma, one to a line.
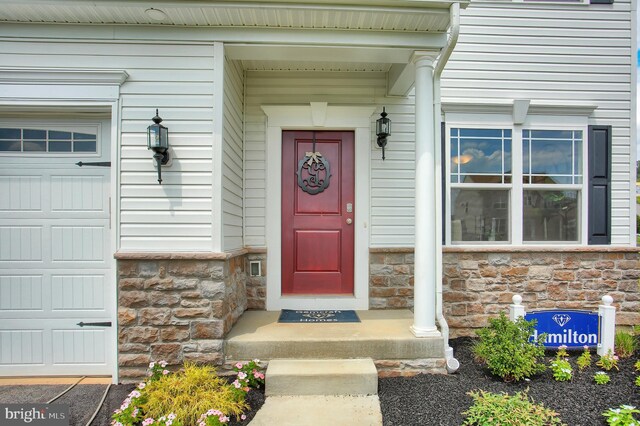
(440,399)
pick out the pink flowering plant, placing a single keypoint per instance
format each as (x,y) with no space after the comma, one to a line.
(131,412)
(562,352)
(584,360)
(561,368)
(213,418)
(157,370)
(249,375)
(608,362)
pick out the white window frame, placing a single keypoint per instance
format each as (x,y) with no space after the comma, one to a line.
(581,188)
(65,125)
(532,122)
(480,186)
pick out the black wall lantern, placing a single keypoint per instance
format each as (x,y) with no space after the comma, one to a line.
(158,141)
(383,130)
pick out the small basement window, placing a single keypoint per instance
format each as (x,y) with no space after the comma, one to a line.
(38,141)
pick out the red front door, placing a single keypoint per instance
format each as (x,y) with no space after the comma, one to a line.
(317,215)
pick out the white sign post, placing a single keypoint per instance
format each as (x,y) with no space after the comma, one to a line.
(607,315)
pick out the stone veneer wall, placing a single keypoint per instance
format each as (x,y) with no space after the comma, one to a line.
(257,286)
(479,283)
(176,307)
(391,278)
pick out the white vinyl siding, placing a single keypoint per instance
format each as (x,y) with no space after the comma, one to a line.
(553,53)
(178,80)
(392,180)
(232,167)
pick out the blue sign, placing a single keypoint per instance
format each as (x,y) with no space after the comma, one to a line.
(573,329)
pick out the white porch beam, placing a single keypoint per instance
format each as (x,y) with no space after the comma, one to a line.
(254,52)
(424,312)
(400,79)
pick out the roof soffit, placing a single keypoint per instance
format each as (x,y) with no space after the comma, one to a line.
(403,16)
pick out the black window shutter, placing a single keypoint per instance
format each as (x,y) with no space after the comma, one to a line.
(601,2)
(599,189)
(443,153)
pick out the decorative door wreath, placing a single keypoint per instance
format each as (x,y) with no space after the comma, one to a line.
(314,171)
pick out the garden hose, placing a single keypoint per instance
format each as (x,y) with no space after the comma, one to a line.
(66,390)
(95,413)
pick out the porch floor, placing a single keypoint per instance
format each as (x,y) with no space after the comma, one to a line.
(381,335)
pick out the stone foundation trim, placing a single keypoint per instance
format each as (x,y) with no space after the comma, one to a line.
(518,249)
(542,249)
(391,250)
(410,367)
(123,255)
(256,250)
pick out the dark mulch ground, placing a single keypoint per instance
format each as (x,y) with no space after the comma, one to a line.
(422,400)
(440,399)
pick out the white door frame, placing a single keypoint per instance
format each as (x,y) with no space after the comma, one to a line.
(317,116)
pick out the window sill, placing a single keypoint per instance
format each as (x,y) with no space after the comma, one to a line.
(541,249)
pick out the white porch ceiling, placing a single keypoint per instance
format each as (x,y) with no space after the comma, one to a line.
(296,35)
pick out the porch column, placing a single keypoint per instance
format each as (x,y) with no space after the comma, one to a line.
(424,312)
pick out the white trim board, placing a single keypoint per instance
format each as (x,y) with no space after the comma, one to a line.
(317,116)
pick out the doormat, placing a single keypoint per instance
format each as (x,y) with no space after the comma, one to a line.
(289,315)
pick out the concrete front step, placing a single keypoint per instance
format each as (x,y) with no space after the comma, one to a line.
(381,335)
(321,377)
(318,410)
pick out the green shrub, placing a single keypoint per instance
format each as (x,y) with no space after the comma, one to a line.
(638,223)
(505,347)
(601,378)
(190,393)
(623,416)
(562,370)
(584,360)
(501,410)
(625,344)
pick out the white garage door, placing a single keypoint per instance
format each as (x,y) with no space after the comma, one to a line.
(55,250)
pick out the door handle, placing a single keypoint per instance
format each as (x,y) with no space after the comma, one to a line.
(349,221)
